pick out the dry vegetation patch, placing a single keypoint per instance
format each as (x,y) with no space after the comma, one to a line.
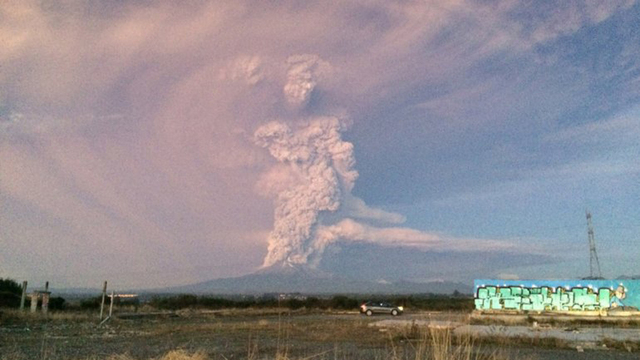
(238,334)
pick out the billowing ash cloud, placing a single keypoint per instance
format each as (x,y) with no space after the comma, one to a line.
(301,77)
(314,179)
(320,169)
(312,182)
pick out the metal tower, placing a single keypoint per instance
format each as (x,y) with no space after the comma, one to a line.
(593,255)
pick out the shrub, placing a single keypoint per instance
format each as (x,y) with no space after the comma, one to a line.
(10,293)
(343,303)
(57,303)
(91,303)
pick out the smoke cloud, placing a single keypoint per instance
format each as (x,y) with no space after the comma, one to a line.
(301,78)
(311,183)
(248,69)
(321,164)
(314,187)
(351,230)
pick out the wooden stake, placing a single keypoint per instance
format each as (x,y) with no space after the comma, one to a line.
(45,298)
(24,295)
(104,294)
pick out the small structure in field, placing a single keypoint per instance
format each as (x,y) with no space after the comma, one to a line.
(37,296)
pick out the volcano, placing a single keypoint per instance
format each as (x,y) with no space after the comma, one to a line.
(285,277)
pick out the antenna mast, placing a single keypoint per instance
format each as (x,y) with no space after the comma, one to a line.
(593,255)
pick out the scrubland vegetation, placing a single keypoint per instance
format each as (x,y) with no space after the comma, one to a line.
(189,327)
(241,334)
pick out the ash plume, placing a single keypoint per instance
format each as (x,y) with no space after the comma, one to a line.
(319,165)
(302,74)
(312,181)
(314,207)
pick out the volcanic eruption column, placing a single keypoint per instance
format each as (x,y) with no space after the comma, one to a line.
(322,165)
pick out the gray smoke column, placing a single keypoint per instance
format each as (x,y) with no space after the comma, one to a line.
(318,170)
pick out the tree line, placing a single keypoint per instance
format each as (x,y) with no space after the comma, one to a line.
(11,292)
(338,302)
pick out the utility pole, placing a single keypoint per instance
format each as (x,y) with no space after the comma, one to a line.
(593,255)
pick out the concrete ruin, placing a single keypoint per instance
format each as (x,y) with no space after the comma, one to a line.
(36,297)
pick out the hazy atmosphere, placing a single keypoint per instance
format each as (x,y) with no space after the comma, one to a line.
(160,143)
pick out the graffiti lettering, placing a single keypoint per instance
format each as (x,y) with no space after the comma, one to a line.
(553,296)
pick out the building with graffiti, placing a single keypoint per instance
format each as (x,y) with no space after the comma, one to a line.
(557,295)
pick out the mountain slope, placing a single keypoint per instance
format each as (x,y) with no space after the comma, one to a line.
(286,278)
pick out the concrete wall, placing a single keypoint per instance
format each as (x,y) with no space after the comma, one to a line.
(557,295)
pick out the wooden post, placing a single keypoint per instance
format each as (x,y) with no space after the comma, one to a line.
(45,302)
(45,298)
(24,295)
(111,303)
(104,294)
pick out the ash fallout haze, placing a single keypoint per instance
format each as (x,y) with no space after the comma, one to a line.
(165,143)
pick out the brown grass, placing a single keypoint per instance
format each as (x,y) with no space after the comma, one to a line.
(440,344)
(9,316)
(250,335)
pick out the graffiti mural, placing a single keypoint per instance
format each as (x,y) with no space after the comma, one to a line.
(564,295)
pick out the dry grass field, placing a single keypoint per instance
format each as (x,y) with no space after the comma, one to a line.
(251,334)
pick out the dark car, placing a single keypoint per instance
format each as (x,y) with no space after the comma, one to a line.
(380,307)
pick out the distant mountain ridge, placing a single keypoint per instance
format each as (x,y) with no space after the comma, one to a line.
(289,278)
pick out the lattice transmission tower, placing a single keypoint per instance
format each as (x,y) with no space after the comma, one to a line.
(593,255)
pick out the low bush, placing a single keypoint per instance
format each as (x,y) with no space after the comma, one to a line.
(10,293)
(91,303)
(57,303)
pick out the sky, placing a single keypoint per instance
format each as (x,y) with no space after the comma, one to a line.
(159,143)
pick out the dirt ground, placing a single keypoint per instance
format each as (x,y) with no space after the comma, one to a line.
(245,335)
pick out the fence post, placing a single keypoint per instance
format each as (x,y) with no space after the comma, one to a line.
(45,298)
(104,294)
(24,295)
